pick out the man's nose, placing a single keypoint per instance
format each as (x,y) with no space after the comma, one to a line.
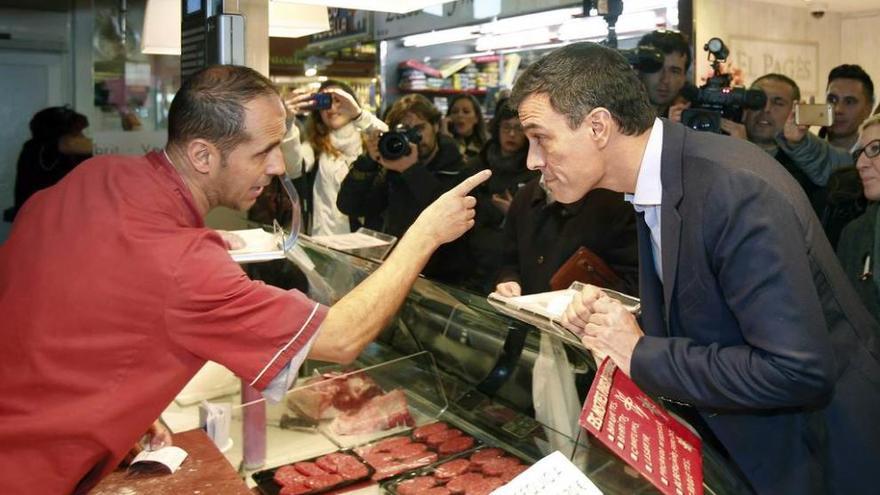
(535,159)
(276,163)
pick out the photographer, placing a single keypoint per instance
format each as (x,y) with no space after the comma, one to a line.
(664,86)
(333,143)
(400,187)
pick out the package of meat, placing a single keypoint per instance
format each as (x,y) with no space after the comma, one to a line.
(475,472)
(331,394)
(381,412)
(426,445)
(328,472)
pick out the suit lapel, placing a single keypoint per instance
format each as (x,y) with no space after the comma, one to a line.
(670,228)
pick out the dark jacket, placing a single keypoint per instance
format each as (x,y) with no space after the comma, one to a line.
(487,238)
(858,243)
(369,191)
(539,237)
(755,324)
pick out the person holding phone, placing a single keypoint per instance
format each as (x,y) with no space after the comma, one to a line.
(334,139)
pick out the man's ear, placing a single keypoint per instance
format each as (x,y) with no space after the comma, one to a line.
(600,126)
(202,155)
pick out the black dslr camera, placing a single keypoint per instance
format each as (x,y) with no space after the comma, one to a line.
(716,98)
(394,144)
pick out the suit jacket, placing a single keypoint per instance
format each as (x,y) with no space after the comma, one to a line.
(756,325)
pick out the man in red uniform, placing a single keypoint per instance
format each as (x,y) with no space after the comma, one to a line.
(113,293)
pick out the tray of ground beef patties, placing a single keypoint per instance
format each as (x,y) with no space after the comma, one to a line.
(475,473)
(426,445)
(327,472)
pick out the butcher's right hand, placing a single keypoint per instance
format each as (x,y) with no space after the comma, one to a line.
(452,214)
(509,289)
(299,102)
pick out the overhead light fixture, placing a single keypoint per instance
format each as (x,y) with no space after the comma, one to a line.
(525,38)
(529,21)
(394,6)
(161,31)
(442,36)
(293,20)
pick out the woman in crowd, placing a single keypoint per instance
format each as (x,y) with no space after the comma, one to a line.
(333,142)
(504,154)
(859,247)
(464,122)
(57,145)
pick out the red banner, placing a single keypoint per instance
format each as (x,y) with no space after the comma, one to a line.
(641,433)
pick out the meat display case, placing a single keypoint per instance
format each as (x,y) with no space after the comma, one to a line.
(482,360)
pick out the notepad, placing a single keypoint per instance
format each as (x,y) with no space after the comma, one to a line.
(259,246)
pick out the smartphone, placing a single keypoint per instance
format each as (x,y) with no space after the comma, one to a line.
(323,101)
(813,114)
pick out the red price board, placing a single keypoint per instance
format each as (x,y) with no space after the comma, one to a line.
(641,433)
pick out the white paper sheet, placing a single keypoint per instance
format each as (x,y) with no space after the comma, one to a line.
(169,457)
(552,475)
(354,240)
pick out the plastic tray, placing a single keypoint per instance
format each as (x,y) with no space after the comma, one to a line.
(268,486)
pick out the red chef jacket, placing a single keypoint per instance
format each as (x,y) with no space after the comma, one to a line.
(112,295)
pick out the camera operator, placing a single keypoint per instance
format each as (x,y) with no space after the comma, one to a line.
(664,86)
(401,185)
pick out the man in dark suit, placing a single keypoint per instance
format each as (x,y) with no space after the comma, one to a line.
(747,317)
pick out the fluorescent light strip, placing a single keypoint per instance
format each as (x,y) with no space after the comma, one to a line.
(394,6)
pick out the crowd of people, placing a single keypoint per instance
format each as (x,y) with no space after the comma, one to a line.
(752,326)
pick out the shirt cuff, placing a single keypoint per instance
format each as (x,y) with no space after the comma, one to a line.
(282,382)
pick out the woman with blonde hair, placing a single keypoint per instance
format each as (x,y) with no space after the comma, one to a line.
(332,143)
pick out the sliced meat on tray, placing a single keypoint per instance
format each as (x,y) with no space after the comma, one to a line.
(294,489)
(512,472)
(423,432)
(309,469)
(378,458)
(352,469)
(323,481)
(455,445)
(483,455)
(437,490)
(288,475)
(408,450)
(497,467)
(484,486)
(459,484)
(436,439)
(452,469)
(379,413)
(330,461)
(395,467)
(416,486)
(389,443)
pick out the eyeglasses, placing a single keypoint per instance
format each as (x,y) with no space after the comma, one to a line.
(870,150)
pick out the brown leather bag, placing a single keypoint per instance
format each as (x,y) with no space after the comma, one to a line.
(587,267)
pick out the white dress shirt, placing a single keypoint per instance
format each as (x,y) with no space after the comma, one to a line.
(649,190)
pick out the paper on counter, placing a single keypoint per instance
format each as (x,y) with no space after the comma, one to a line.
(354,240)
(169,457)
(552,475)
(259,245)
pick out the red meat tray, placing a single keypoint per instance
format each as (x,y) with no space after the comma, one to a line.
(318,475)
(476,473)
(425,445)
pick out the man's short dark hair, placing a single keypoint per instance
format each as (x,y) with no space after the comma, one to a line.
(853,71)
(668,42)
(773,76)
(210,106)
(415,104)
(582,76)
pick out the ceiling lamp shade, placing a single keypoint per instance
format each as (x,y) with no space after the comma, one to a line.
(293,20)
(161,31)
(395,6)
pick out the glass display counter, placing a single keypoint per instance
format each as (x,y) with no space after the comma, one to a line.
(457,360)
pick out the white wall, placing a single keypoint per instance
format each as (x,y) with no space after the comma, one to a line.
(788,39)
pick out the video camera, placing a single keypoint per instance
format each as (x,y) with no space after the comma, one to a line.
(394,145)
(716,99)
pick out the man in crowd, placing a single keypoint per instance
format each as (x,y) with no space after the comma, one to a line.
(399,189)
(746,313)
(762,126)
(664,86)
(114,294)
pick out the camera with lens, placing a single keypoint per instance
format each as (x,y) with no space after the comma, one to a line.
(394,144)
(717,99)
